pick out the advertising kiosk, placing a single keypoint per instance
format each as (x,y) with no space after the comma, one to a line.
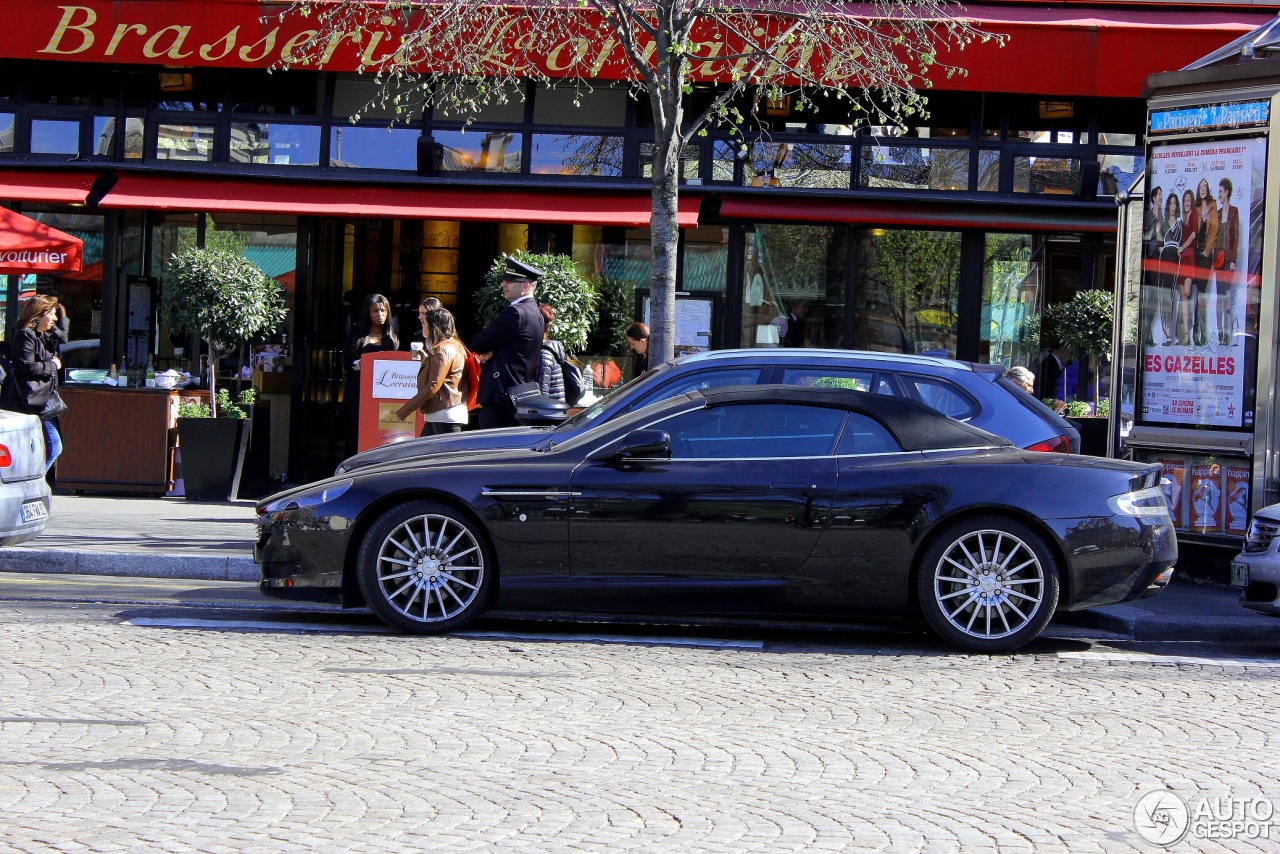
(1196,336)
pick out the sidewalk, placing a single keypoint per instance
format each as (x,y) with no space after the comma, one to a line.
(176,538)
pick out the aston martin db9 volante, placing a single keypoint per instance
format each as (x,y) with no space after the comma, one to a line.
(737,502)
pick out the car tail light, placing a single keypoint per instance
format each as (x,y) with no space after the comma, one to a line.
(1056,445)
(6,458)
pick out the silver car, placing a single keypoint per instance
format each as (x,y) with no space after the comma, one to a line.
(1257,567)
(24,493)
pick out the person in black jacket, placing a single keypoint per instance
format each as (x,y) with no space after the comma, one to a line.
(509,346)
(36,365)
(370,333)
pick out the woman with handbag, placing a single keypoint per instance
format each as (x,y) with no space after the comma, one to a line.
(440,397)
(37,369)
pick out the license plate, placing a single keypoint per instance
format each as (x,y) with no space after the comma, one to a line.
(1239,574)
(33,511)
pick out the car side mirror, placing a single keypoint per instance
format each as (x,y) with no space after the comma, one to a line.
(643,445)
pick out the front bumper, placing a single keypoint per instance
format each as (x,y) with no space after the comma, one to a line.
(1262,593)
(302,553)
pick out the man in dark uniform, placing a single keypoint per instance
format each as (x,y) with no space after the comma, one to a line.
(509,346)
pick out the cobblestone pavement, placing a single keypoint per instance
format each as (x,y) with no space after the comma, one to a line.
(119,735)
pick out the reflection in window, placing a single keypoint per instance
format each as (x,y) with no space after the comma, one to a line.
(280,144)
(989,171)
(55,137)
(1058,176)
(1012,290)
(908,286)
(597,107)
(373,148)
(764,431)
(362,94)
(576,154)
(1117,172)
(688,161)
(705,259)
(477,151)
(184,142)
(793,294)
(723,159)
(799,164)
(915,167)
(6,133)
(104,134)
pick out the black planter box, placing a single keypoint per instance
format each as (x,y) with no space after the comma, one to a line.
(212,456)
(1093,434)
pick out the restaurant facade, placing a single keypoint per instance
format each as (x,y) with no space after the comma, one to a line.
(143,128)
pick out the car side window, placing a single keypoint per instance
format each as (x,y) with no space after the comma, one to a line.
(698,382)
(836,378)
(940,396)
(754,431)
(864,435)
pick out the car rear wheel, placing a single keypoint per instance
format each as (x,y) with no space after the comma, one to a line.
(988,585)
(424,567)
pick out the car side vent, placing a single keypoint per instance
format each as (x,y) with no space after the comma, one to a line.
(1261,533)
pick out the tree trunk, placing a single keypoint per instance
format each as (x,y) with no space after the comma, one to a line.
(213,375)
(664,226)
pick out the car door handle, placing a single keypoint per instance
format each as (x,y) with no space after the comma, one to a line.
(792,486)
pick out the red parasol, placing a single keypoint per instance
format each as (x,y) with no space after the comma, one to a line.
(27,246)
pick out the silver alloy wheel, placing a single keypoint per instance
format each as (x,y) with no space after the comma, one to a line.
(430,568)
(989,584)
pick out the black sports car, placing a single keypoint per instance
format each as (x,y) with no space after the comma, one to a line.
(755,501)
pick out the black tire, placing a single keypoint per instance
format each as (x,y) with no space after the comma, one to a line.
(425,568)
(988,584)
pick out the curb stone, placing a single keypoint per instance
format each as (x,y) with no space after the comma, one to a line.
(66,561)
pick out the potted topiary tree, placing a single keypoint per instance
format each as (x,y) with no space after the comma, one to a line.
(561,287)
(225,299)
(1084,323)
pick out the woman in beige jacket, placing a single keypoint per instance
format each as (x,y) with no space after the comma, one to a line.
(439,394)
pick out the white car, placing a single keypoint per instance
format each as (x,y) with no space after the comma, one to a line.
(24,492)
(1257,567)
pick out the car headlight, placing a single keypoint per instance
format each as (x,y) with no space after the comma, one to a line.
(1142,502)
(310,497)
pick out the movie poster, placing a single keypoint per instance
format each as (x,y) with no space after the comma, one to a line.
(1174,478)
(1201,248)
(1206,499)
(1237,498)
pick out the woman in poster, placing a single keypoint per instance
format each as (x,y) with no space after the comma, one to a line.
(1186,268)
(1170,251)
(1206,241)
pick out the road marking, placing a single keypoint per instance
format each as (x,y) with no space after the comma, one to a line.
(1151,658)
(332,628)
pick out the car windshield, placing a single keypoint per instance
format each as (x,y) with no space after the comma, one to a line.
(595,410)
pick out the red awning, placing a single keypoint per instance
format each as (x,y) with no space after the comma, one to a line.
(483,204)
(917,215)
(34,185)
(27,246)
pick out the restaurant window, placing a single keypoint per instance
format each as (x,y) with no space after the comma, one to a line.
(1056,176)
(596,107)
(51,136)
(80,292)
(988,170)
(505,105)
(578,154)
(794,286)
(1012,293)
(689,170)
(914,167)
(184,142)
(373,148)
(907,288)
(362,95)
(477,150)
(104,136)
(799,164)
(7,121)
(276,144)
(1117,172)
(723,160)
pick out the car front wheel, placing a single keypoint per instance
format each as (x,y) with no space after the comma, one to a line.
(423,567)
(988,585)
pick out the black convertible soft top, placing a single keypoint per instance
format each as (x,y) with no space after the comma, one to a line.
(915,426)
